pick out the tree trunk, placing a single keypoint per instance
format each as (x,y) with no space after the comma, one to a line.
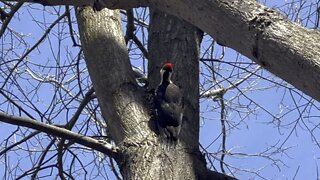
(107,60)
(125,105)
(172,39)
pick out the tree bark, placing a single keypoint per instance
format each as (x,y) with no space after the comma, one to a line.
(110,71)
(125,105)
(284,48)
(174,40)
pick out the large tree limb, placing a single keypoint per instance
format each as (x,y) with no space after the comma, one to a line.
(284,48)
(103,147)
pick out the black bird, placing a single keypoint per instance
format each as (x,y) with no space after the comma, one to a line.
(168,103)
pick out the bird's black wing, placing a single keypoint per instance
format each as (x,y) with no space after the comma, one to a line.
(169,108)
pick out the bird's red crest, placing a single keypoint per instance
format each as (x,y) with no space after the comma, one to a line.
(168,66)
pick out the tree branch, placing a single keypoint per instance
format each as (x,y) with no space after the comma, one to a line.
(130,26)
(221,91)
(59,2)
(284,48)
(19,142)
(70,27)
(8,17)
(46,33)
(140,77)
(224,133)
(130,34)
(87,98)
(103,147)
(35,170)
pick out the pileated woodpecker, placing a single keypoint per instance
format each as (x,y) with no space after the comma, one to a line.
(168,103)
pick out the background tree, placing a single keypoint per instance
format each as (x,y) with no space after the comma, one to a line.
(54,87)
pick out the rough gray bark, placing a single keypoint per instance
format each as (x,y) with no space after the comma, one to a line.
(120,99)
(110,70)
(172,39)
(286,49)
(124,104)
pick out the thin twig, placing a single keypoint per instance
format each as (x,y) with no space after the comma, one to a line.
(224,133)
(70,27)
(140,46)
(113,169)
(87,98)
(41,160)
(19,142)
(33,47)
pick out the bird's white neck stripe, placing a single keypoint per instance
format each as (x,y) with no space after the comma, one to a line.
(162,72)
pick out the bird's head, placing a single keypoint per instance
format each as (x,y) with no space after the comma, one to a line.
(166,72)
(168,67)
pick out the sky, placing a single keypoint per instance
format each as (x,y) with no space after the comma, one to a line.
(256,135)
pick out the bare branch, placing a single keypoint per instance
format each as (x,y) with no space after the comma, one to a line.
(268,34)
(7,20)
(224,133)
(140,46)
(131,35)
(33,47)
(130,26)
(59,159)
(219,92)
(212,93)
(41,159)
(19,142)
(82,105)
(70,27)
(141,78)
(113,169)
(58,2)
(103,147)
(3,15)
